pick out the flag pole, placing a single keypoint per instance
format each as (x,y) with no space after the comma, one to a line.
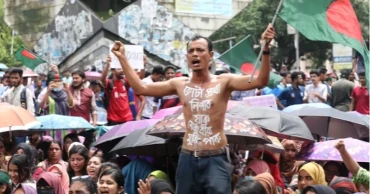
(234,45)
(264,41)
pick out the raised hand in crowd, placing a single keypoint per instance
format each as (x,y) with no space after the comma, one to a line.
(350,163)
(144,188)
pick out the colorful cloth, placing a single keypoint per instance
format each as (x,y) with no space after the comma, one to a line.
(362,177)
(316,172)
(267,182)
(343,182)
(258,166)
(162,176)
(133,172)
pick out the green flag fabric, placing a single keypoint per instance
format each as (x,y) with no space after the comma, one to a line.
(327,20)
(28,59)
(242,55)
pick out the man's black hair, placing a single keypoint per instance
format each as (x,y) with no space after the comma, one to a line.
(7,71)
(303,75)
(197,37)
(168,68)
(158,70)
(18,71)
(295,75)
(79,73)
(361,74)
(344,73)
(322,70)
(314,71)
(284,73)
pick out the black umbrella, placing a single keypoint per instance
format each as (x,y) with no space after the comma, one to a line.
(275,122)
(141,144)
(326,121)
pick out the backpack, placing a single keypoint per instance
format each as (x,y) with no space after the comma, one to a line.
(38,109)
(110,89)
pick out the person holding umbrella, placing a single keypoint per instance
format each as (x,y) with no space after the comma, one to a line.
(204,98)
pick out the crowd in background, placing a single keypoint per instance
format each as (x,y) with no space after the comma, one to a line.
(64,164)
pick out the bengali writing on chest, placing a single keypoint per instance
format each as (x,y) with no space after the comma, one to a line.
(199,124)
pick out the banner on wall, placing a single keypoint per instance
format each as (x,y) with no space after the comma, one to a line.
(206,7)
(134,54)
(342,57)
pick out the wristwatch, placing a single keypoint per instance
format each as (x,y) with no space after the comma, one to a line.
(266,52)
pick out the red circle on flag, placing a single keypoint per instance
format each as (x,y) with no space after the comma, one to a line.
(248,68)
(28,54)
(343,19)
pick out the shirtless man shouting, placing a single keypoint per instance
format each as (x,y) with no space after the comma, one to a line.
(203,165)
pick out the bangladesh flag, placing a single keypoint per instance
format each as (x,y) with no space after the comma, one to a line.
(327,20)
(28,59)
(242,57)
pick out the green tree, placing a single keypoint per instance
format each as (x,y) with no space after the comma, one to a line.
(254,19)
(6,42)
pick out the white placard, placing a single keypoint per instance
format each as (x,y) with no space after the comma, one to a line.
(134,54)
(261,101)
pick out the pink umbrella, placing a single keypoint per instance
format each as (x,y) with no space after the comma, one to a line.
(92,75)
(165,112)
(29,73)
(178,109)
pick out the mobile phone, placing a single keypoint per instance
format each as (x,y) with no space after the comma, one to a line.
(60,85)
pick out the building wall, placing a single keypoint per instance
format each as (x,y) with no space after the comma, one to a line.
(205,24)
(69,30)
(29,18)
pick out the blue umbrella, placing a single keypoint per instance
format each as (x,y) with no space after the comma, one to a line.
(61,122)
(3,66)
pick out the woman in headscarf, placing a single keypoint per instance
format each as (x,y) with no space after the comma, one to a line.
(133,172)
(287,163)
(256,167)
(267,182)
(49,183)
(160,175)
(272,162)
(318,189)
(62,172)
(56,100)
(311,174)
(53,155)
(67,141)
(160,186)
(343,185)
(25,149)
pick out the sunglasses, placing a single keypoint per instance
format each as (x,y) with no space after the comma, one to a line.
(80,177)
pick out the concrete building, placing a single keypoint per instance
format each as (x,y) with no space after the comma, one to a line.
(77,33)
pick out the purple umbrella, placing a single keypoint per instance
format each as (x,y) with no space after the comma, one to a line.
(117,133)
(92,75)
(325,151)
(165,112)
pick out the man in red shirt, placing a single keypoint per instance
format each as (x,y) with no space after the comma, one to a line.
(360,96)
(118,107)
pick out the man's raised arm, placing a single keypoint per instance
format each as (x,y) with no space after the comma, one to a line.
(241,83)
(152,89)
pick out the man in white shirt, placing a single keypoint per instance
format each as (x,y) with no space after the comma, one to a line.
(157,75)
(13,95)
(315,92)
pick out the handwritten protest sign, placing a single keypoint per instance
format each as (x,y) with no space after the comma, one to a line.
(261,101)
(134,54)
